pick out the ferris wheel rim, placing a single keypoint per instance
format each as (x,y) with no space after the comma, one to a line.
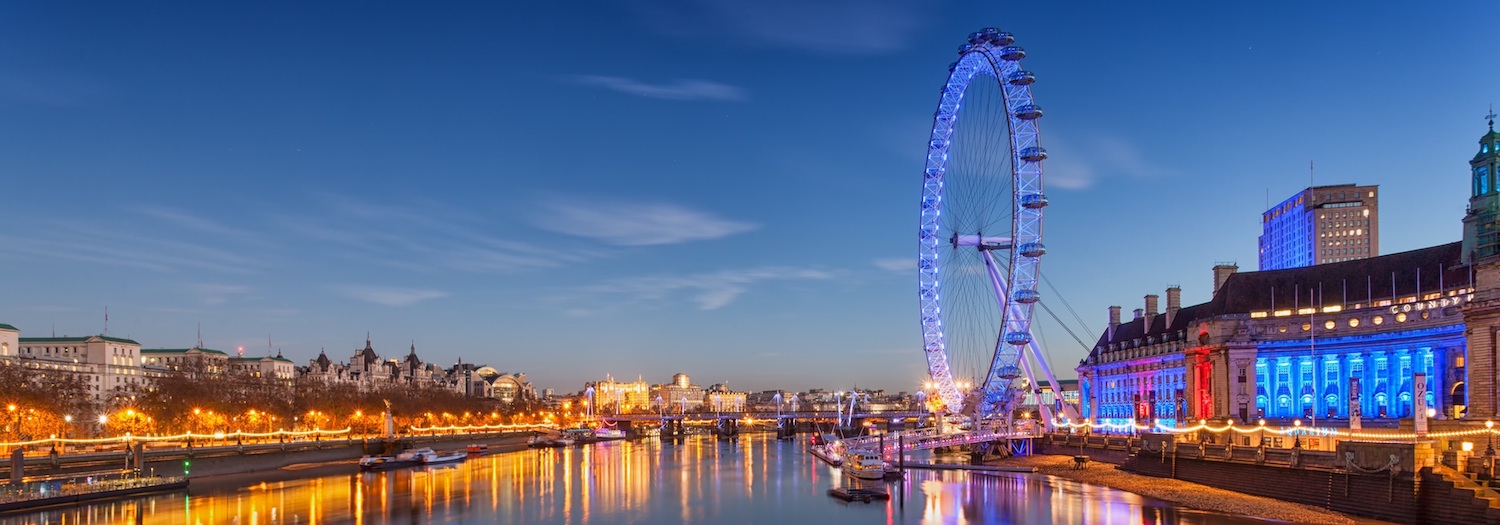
(995,57)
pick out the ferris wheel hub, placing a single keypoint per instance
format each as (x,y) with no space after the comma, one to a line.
(984,242)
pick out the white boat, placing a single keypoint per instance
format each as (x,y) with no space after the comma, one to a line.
(405,459)
(830,457)
(444,457)
(544,442)
(607,434)
(864,465)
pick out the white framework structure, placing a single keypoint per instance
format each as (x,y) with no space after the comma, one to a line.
(1013,272)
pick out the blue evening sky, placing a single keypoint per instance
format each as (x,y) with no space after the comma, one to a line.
(719,187)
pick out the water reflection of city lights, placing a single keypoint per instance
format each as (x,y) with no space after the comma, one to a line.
(694,480)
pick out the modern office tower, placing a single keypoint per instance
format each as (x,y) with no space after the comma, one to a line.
(1320,225)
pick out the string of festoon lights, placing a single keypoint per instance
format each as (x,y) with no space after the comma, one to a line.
(128,438)
(497,426)
(1295,429)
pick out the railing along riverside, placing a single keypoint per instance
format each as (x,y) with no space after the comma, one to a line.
(13,495)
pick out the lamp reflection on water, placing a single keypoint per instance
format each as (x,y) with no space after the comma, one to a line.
(691,480)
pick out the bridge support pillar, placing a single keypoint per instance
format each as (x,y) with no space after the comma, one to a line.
(17,466)
(729,428)
(786,428)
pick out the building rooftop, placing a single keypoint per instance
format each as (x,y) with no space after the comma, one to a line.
(77,339)
(180,351)
(1387,277)
(4,326)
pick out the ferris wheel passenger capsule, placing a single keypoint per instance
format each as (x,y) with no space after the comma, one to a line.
(1026,296)
(1034,201)
(1012,53)
(990,31)
(1003,38)
(1031,249)
(965,48)
(1020,78)
(1033,154)
(952,66)
(976,37)
(1029,112)
(1018,338)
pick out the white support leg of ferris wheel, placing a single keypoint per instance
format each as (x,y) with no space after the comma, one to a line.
(1031,387)
(998,285)
(1000,290)
(1068,410)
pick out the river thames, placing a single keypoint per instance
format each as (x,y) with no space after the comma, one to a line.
(755,479)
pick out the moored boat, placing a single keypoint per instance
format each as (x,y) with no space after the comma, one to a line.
(829,457)
(435,458)
(544,442)
(864,465)
(408,458)
(608,434)
(476,449)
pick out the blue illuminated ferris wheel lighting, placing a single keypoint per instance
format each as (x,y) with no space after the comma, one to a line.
(990,243)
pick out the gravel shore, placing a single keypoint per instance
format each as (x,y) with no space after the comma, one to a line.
(1191,495)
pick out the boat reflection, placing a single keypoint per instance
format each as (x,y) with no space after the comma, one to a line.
(695,480)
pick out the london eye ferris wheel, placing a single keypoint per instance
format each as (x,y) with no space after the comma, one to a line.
(980,245)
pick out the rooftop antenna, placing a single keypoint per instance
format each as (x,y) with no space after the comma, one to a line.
(200,335)
(106,320)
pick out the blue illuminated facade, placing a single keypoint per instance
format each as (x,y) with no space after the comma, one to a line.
(1295,381)
(1286,239)
(1321,225)
(1291,344)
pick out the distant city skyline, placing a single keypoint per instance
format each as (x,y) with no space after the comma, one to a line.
(648,188)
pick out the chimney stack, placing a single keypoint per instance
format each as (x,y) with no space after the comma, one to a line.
(1174,303)
(1222,272)
(1139,313)
(1151,308)
(1114,321)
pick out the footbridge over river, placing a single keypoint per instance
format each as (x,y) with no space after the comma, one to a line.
(931,438)
(895,416)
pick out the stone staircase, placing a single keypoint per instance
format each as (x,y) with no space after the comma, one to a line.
(1442,483)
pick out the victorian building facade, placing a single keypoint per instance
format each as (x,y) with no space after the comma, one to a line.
(1378,338)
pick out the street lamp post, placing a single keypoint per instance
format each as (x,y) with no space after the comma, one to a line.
(1489,450)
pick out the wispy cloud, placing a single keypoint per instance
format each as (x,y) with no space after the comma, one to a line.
(683,89)
(708,291)
(421,236)
(1079,165)
(390,296)
(81,241)
(635,224)
(896,264)
(214,293)
(832,27)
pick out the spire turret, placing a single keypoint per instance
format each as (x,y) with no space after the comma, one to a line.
(1482,223)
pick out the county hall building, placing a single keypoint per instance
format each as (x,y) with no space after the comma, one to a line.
(1302,342)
